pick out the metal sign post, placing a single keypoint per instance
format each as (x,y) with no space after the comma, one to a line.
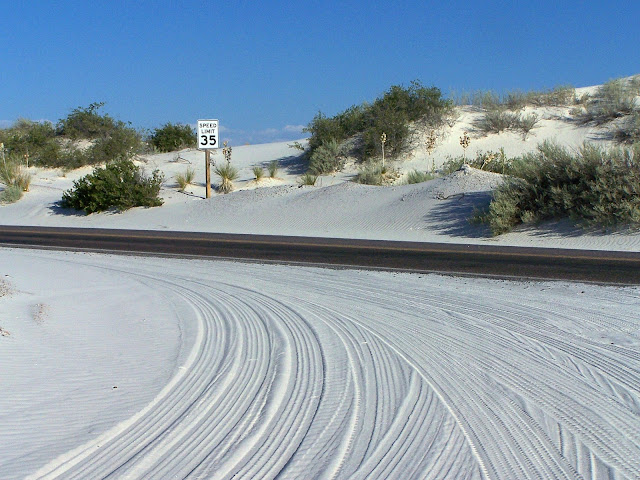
(207,140)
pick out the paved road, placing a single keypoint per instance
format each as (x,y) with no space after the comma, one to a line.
(486,260)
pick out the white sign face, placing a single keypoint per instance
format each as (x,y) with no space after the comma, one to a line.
(207,134)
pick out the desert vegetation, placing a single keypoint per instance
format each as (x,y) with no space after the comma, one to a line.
(391,114)
(593,186)
(84,137)
(119,185)
(15,178)
(172,136)
(186,178)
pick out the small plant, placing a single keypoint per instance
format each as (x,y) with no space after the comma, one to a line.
(464,143)
(12,174)
(373,173)
(273,168)
(308,179)
(226,151)
(525,123)
(418,177)
(186,178)
(227,173)
(171,137)
(258,172)
(120,185)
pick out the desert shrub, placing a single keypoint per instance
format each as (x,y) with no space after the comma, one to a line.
(525,123)
(10,194)
(186,178)
(37,140)
(416,176)
(227,173)
(629,130)
(120,185)
(559,96)
(171,137)
(12,174)
(308,179)
(86,123)
(373,173)
(327,158)
(496,120)
(272,168)
(258,172)
(593,186)
(122,143)
(614,99)
(391,113)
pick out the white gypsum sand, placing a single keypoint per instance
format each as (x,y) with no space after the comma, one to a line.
(165,368)
(250,370)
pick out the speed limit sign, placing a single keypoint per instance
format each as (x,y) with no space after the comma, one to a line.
(207,134)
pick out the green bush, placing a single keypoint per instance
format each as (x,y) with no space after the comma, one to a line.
(10,194)
(171,137)
(57,147)
(86,123)
(327,158)
(390,114)
(594,186)
(120,185)
(373,173)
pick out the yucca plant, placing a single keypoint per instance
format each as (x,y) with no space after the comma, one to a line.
(227,174)
(185,178)
(258,172)
(273,168)
(308,179)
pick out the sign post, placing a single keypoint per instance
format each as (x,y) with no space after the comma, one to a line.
(207,141)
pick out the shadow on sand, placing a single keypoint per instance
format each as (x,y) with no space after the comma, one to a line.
(451,216)
(293,165)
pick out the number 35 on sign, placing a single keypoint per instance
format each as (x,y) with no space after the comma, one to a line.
(207,134)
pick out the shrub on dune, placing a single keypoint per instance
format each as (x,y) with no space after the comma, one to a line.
(120,185)
(595,186)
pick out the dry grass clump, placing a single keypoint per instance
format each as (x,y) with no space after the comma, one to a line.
(308,179)
(498,119)
(258,172)
(227,174)
(614,99)
(417,176)
(186,178)
(374,173)
(272,168)
(594,186)
(15,179)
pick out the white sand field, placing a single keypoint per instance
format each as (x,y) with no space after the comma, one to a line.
(241,370)
(149,367)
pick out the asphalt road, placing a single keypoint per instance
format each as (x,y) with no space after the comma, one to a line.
(484,260)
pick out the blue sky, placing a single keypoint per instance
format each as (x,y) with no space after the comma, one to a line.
(266,68)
